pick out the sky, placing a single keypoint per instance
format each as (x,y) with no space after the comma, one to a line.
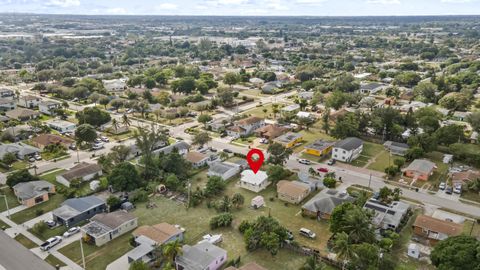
(245,7)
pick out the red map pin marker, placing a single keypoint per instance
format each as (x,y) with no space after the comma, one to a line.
(255,164)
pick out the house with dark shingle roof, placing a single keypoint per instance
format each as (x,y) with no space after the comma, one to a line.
(347,149)
(105,227)
(225,170)
(33,192)
(321,205)
(22,114)
(83,171)
(20,150)
(43,140)
(75,210)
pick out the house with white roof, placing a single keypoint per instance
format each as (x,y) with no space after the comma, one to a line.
(255,182)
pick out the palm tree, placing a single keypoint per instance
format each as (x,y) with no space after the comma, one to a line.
(126,121)
(474,185)
(238,200)
(275,110)
(358,224)
(172,250)
(343,248)
(312,264)
(115,125)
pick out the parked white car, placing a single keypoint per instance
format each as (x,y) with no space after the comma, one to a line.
(51,242)
(71,232)
(212,239)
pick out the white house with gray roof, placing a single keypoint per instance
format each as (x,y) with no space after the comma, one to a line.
(387,216)
(225,170)
(83,171)
(201,256)
(33,192)
(20,150)
(347,149)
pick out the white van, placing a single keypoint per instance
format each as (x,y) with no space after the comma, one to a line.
(307,233)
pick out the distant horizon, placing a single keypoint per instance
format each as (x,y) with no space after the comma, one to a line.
(242,8)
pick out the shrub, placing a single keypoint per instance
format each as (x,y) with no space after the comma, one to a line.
(244,226)
(329,182)
(139,195)
(222,220)
(39,228)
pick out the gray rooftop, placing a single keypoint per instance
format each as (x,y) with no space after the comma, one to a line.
(326,201)
(349,143)
(200,256)
(19,149)
(387,213)
(14,256)
(288,137)
(221,167)
(72,207)
(320,145)
(168,149)
(32,189)
(421,165)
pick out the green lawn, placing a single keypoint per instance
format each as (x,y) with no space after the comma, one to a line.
(472,228)
(29,213)
(49,232)
(54,261)
(22,239)
(50,156)
(11,199)
(51,176)
(470,195)
(258,111)
(20,165)
(97,258)
(3,225)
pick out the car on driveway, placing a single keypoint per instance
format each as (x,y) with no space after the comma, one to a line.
(71,232)
(37,157)
(323,170)
(449,190)
(227,151)
(331,161)
(97,146)
(457,189)
(50,223)
(304,161)
(51,242)
(104,139)
(442,186)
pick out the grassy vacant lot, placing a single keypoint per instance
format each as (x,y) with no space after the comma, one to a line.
(54,261)
(30,213)
(22,239)
(472,228)
(196,221)
(258,111)
(11,199)
(98,257)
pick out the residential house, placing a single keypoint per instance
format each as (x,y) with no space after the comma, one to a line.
(396,148)
(83,171)
(289,139)
(255,182)
(49,107)
(271,87)
(306,95)
(105,227)
(257,82)
(321,205)
(7,104)
(200,257)
(197,159)
(115,85)
(420,169)
(22,114)
(29,101)
(43,140)
(201,105)
(413,105)
(290,110)
(435,230)
(245,127)
(271,131)
(319,148)
(75,210)
(388,216)
(219,125)
(292,191)
(371,88)
(347,149)
(61,125)
(19,133)
(147,238)
(225,170)
(20,150)
(7,93)
(303,114)
(33,192)
(181,146)
(460,116)
(461,178)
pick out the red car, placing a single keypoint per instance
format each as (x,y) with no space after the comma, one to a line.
(324,170)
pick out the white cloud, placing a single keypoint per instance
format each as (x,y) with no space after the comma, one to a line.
(64,3)
(457,1)
(117,10)
(167,6)
(310,2)
(384,2)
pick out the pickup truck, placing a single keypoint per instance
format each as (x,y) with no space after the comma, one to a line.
(51,242)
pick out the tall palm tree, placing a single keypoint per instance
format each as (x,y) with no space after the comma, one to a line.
(115,125)
(358,224)
(312,264)
(172,250)
(126,121)
(343,248)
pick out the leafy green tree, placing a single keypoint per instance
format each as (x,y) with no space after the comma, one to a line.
(231,78)
(455,101)
(147,142)
(354,221)
(201,139)
(215,185)
(93,116)
(271,242)
(225,204)
(238,200)
(414,153)
(174,163)
(336,100)
(343,248)
(124,177)
(451,134)
(367,256)
(9,158)
(347,125)
(474,120)
(329,182)
(184,85)
(456,253)
(222,220)
(408,79)
(172,182)
(171,250)
(264,232)
(113,203)
(20,177)
(204,119)
(85,133)
(279,154)
(276,173)
(139,265)
(312,263)
(104,101)
(426,92)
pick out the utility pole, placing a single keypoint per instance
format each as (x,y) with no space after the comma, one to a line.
(83,255)
(6,203)
(369,180)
